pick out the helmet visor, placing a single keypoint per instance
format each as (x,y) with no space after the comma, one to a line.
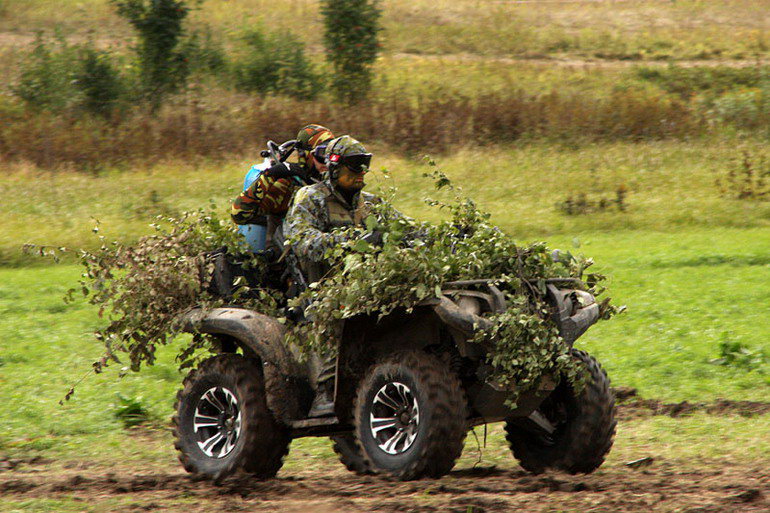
(358,163)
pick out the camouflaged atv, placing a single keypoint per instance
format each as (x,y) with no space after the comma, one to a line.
(408,389)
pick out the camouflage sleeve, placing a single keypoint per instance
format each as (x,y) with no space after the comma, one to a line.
(270,193)
(304,228)
(246,207)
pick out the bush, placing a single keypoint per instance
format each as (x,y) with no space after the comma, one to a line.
(581,204)
(276,63)
(46,81)
(717,80)
(57,77)
(163,68)
(204,54)
(749,181)
(351,40)
(131,411)
(747,108)
(98,81)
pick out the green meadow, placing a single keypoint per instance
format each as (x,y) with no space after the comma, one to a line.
(691,264)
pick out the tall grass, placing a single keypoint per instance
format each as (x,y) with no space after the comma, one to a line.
(196,127)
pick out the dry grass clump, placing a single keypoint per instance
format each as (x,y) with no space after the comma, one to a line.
(190,128)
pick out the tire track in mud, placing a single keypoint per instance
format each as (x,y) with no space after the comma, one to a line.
(713,486)
(731,488)
(630,405)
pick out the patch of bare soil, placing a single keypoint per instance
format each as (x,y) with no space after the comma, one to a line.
(631,405)
(659,487)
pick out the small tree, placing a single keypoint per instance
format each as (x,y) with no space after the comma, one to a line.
(162,67)
(352,45)
(98,81)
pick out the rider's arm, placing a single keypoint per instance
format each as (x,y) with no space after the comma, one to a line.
(247,208)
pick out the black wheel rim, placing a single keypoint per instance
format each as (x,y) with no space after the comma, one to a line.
(394,419)
(217,422)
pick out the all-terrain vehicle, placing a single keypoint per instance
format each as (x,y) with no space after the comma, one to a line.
(408,388)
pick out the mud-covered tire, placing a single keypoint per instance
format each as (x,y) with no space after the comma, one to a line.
(349,454)
(436,438)
(261,443)
(584,432)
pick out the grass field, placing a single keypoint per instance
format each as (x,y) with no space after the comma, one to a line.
(686,291)
(690,265)
(646,30)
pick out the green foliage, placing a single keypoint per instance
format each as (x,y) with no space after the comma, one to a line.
(276,63)
(744,108)
(99,81)
(143,288)
(417,258)
(687,81)
(163,68)
(204,53)
(57,76)
(131,411)
(46,80)
(736,354)
(351,29)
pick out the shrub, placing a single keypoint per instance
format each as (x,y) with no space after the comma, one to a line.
(163,68)
(747,108)
(351,40)
(131,411)
(736,354)
(580,204)
(98,81)
(46,78)
(687,81)
(276,63)
(204,54)
(57,77)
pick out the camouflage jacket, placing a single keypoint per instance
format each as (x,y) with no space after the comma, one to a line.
(269,194)
(316,211)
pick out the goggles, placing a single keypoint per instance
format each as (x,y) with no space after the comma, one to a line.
(319,152)
(358,163)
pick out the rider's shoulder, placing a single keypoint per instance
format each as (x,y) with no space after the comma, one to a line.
(313,192)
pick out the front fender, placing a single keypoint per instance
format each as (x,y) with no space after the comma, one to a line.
(254,332)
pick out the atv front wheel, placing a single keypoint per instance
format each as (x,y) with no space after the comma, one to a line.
(410,416)
(569,431)
(222,422)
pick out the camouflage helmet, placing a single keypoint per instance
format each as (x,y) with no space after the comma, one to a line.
(311,136)
(346,151)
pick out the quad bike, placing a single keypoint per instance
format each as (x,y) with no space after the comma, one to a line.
(408,388)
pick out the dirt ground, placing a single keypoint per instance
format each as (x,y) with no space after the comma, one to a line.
(658,487)
(646,485)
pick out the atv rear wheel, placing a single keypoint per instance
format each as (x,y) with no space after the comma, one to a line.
(222,422)
(582,426)
(410,416)
(350,454)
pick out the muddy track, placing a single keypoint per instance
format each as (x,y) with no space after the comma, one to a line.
(647,485)
(631,405)
(661,487)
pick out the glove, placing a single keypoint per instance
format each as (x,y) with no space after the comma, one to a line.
(374,238)
(286,170)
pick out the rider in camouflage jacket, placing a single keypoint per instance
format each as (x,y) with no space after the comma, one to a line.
(309,227)
(336,202)
(271,193)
